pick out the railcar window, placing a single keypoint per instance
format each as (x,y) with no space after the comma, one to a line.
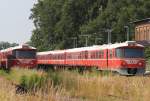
(30,54)
(74,55)
(110,53)
(50,56)
(102,54)
(133,53)
(129,53)
(98,53)
(91,55)
(86,54)
(119,53)
(79,56)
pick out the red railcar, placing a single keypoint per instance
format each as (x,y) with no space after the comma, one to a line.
(125,58)
(21,56)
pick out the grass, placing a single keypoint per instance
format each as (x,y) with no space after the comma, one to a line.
(39,88)
(7,93)
(29,79)
(103,87)
(72,86)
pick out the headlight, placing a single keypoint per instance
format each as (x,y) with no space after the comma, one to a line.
(124,63)
(18,63)
(140,63)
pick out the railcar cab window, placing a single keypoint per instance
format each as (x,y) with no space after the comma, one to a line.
(23,54)
(129,53)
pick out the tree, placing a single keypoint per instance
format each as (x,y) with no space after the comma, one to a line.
(4,45)
(58,22)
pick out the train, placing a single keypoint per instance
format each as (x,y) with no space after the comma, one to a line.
(20,56)
(126,58)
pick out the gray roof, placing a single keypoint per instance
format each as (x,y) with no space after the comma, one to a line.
(142,21)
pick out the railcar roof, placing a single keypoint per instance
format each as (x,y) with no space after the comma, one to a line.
(95,47)
(107,46)
(51,52)
(17,47)
(44,53)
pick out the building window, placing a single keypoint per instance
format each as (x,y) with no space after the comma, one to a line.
(145,33)
(137,35)
(148,31)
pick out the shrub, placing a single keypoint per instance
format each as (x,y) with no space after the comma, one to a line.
(32,82)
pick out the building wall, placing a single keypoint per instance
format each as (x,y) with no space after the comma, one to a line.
(142,32)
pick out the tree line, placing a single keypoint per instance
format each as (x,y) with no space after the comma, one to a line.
(62,24)
(4,45)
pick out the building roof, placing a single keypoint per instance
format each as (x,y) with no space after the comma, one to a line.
(142,21)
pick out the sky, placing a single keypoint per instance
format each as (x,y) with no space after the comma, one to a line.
(15,25)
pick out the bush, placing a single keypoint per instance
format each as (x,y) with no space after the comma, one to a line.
(28,79)
(147,53)
(32,82)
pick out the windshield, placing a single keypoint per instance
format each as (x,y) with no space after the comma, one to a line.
(25,54)
(130,53)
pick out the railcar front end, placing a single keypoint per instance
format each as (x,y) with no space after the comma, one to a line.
(24,58)
(20,56)
(130,60)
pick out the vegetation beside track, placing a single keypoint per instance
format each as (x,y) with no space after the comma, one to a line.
(29,79)
(72,86)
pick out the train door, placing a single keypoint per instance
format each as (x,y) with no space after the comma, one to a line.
(10,59)
(64,57)
(9,62)
(104,59)
(109,58)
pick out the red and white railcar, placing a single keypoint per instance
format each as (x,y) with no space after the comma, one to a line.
(125,58)
(21,56)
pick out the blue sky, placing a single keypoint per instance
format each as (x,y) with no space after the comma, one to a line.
(15,25)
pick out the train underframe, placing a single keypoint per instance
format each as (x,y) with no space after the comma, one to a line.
(121,71)
(131,71)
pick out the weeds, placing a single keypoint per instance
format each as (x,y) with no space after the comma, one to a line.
(73,86)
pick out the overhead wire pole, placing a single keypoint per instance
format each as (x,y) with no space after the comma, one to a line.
(96,40)
(74,41)
(109,35)
(127,29)
(86,39)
